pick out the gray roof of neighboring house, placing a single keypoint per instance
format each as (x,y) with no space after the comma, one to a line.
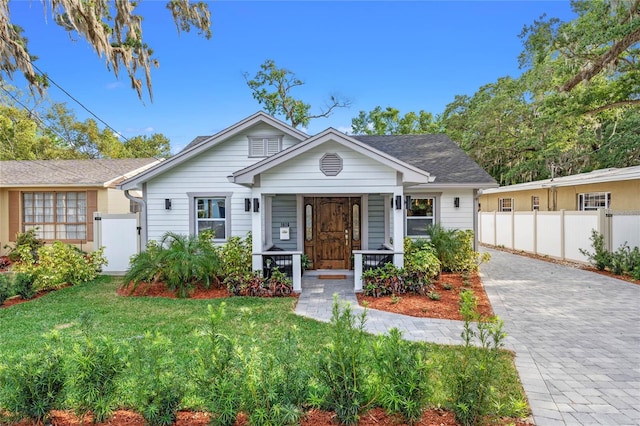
(196,141)
(434,153)
(94,172)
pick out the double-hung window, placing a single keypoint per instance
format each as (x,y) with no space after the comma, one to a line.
(55,215)
(535,202)
(594,201)
(211,215)
(420,216)
(505,204)
(264,146)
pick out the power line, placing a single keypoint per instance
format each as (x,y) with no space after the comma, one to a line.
(73,98)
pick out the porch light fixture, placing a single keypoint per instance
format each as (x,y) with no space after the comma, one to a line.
(167,204)
(407,202)
(398,202)
(456,202)
(247,204)
(256,205)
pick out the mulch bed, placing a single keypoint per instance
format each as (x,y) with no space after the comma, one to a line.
(374,417)
(448,307)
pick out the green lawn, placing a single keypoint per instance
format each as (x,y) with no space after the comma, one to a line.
(260,322)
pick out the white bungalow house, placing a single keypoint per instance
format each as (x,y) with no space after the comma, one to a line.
(339,199)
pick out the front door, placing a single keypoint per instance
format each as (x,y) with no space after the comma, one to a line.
(332,236)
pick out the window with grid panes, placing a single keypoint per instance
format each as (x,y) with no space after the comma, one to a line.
(505,205)
(594,201)
(55,215)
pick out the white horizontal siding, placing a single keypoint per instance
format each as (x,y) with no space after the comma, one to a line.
(457,217)
(206,173)
(376,221)
(359,174)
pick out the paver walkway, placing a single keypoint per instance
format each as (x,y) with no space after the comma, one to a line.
(576,335)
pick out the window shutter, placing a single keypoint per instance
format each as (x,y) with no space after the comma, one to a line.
(14,214)
(256,147)
(92,206)
(331,164)
(273,146)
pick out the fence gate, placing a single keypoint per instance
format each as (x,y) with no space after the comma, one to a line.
(120,237)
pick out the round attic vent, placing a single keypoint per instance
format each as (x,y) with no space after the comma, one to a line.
(331,164)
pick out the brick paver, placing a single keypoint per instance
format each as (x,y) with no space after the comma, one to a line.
(576,335)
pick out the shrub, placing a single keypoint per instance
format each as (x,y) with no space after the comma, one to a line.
(180,261)
(23,285)
(623,261)
(277,285)
(5,288)
(31,385)
(60,264)
(421,265)
(342,367)
(478,367)
(384,280)
(236,262)
(28,240)
(454,249)
(187,260)
(267,380)
(403,373)
(94,368)
(157,387)
(216,373)
(600,258)
(144,267)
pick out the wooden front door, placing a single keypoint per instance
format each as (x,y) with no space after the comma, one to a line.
(330,242)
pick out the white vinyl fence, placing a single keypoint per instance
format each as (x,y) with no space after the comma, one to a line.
(558,234)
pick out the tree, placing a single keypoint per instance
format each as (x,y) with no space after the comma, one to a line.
(56,134)
(113,29)
(389,122)
(279,101)
(156,145)
(575,61)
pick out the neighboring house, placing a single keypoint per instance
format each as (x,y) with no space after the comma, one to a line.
(59,197)
(329,196)
(615,188)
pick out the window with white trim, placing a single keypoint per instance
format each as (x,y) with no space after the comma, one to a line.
(264,146)
(55,215)
(211,215)
(594,201)
(535,202)
(420,216)
(505,205)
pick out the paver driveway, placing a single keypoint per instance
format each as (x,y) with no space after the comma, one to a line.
(576,335)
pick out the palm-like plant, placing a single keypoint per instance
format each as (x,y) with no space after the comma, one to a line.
(181,261)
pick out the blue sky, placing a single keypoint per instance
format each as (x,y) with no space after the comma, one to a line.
(409,55)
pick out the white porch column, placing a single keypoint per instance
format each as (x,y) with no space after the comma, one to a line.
(257,233)
(398,227)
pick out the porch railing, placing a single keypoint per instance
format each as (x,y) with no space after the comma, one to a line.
(364,260)
(287,262)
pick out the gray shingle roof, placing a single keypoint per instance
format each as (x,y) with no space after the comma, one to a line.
(68,172)
(436,154)
(196,141)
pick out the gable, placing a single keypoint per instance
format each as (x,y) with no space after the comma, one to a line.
(331,138)
(259,124)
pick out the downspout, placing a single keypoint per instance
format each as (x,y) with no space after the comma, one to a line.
(476,212)
(142,230)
